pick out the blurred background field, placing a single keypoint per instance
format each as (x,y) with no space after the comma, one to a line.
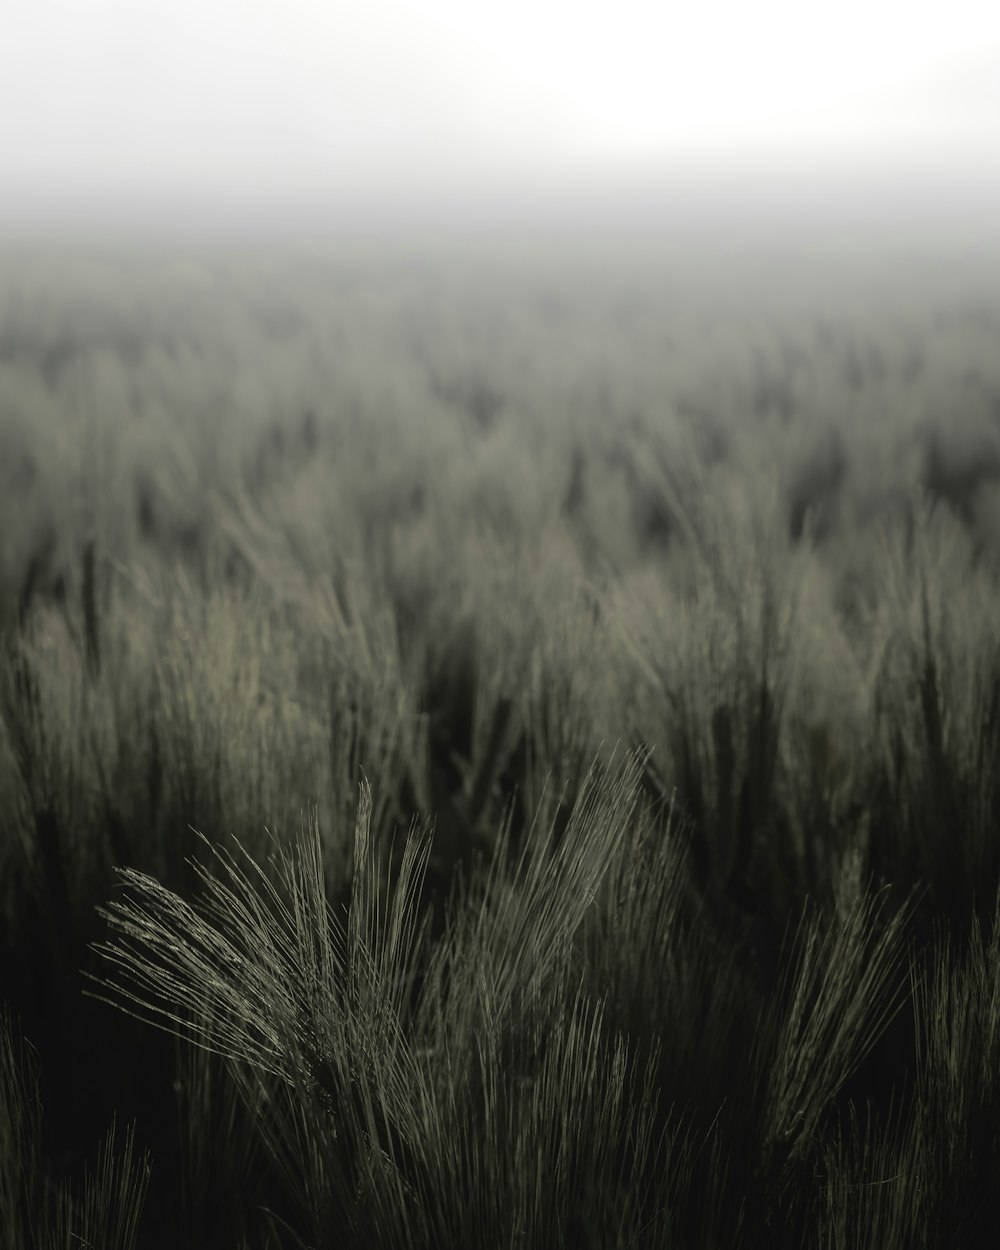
(707,530)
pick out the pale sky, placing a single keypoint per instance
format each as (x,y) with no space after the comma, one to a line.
(266,101)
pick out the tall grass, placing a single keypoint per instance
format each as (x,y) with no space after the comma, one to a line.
(392,1085)
(417,568)
(597,966)
(39,1210)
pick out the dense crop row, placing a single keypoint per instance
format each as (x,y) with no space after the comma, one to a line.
(544,790)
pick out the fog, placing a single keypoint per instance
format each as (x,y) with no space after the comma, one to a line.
(241,115)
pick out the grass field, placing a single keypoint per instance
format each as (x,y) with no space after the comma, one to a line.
(500,748)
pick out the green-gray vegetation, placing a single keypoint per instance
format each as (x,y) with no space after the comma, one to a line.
(499,749)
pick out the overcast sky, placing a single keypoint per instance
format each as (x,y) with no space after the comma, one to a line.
(272,102)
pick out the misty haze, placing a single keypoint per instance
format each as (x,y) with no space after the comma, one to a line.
(499,583)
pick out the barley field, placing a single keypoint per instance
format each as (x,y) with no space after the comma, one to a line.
(500,745)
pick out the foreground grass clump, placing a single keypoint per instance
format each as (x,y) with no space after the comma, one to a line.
(406,1095)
